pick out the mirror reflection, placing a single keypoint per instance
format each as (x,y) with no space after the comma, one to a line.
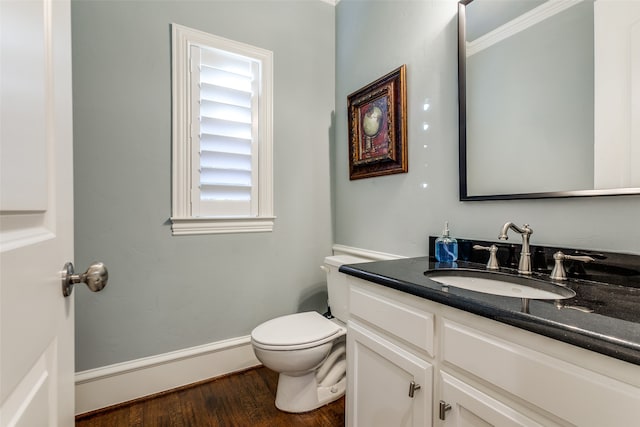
(549,98)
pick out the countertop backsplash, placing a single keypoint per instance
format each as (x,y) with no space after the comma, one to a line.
(607,267)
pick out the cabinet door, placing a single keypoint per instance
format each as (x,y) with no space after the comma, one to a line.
(380,375)
(469,407)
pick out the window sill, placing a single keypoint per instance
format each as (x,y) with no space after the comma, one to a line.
(194,226)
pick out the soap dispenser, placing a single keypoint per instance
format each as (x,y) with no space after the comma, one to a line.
(446,246)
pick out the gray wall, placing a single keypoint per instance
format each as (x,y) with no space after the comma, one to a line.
(167,293)
(396,213)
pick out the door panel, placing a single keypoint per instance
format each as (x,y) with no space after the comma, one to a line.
(470,407)
(379,375)
(617,91)
(25,72)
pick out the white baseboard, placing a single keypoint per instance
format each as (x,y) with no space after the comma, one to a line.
(110,385)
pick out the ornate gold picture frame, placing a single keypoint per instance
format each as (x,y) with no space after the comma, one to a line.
(378,127)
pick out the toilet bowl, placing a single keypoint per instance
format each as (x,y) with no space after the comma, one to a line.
(296,346)
(307,349)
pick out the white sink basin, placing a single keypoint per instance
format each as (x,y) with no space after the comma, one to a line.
(500,284)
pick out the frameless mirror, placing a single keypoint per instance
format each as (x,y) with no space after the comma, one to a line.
(549,96)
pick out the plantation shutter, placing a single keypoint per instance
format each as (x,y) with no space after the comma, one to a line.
(224,133)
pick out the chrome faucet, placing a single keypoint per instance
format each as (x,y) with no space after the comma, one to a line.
(524,266)
(558,272)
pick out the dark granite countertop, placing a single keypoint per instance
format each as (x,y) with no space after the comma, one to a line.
(602,317)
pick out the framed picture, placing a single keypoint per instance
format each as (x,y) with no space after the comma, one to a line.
(378,127)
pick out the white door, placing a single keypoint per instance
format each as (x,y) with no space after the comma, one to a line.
(379,377)
(469,407)
(36,214)
(617,93)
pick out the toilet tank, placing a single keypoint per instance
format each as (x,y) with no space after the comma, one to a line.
(337,286)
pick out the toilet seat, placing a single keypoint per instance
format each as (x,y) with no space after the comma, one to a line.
(295,332)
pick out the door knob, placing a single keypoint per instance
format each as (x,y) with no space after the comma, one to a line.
(96,278)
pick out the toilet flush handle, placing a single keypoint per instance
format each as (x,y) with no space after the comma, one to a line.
(324,268)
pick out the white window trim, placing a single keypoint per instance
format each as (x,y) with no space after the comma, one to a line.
(182,221)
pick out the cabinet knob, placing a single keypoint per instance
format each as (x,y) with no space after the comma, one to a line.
(444,407)
(413,387)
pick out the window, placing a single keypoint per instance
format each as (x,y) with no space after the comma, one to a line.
(222,135)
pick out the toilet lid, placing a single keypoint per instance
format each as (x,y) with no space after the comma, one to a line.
(294,329)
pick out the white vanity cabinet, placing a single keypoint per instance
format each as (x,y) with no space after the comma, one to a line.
(388,386)
(552,389)
(462,405)
(472,371)
(390,379)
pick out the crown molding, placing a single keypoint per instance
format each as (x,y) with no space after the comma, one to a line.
(521,23)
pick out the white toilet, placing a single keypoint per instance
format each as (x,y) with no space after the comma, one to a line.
(307,349)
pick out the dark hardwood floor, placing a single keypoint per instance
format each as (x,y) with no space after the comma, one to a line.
(244,399)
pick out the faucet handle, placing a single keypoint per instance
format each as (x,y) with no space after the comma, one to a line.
(559,272)
(492,264)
